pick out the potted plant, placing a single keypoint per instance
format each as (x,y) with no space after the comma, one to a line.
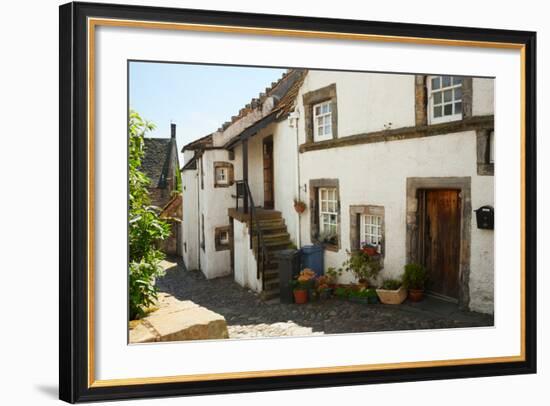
(299,206)
(363,266)
(328,238)
(301,285)
(370,250)
(363,296)
(414,279)
(332,275)
(322,287)
(392,291)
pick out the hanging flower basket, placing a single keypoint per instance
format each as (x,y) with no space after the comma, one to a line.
(299,206)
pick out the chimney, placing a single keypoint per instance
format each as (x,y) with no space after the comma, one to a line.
(172,130)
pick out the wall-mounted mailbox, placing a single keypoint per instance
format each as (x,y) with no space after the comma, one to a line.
(485,217)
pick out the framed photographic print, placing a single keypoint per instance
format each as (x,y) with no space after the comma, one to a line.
(259,202)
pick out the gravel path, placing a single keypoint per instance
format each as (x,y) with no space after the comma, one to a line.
(248,316)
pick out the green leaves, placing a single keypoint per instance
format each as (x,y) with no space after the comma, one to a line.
(145,228)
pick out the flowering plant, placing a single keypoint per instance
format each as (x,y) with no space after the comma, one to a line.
(304,280)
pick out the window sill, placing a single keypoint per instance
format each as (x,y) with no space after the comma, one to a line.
(327,246)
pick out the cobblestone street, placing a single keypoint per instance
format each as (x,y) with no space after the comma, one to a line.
(248,316)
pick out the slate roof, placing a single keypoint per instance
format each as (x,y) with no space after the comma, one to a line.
(155,160)
(200,143)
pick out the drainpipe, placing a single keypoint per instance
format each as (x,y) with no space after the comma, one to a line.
(293,123)
(198,220)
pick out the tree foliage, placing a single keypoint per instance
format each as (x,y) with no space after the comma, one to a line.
(145,228)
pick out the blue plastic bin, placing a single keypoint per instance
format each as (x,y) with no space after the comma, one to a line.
(313,257)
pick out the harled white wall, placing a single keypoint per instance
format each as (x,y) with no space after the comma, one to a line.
(376,174)
(190,224)
(364,99)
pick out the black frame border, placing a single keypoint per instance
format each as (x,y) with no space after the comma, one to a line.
(73,197)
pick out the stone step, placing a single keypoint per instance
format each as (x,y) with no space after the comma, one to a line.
(271,284)
(271,274)
(270,223)
(270,294)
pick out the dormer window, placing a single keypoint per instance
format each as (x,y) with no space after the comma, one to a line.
(445,98)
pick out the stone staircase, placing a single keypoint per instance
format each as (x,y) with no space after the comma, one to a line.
(276,238)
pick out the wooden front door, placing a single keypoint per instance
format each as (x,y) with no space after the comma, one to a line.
(269,200)
(440,239)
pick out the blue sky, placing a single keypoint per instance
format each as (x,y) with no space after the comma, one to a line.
(198,98)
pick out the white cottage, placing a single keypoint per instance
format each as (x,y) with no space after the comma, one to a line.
(397,161)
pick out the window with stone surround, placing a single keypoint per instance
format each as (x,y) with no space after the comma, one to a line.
(223,174)
(485,152)
(325,212)
(321,114)
(222,238)
(367,227)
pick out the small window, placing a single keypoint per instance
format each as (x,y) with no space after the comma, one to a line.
(328,213)
(445,98)
(222,238)
(203,244)
(371,231)
(322,121)
(223,174)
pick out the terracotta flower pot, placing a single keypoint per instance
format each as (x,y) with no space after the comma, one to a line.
(416,295)
(370,251)
(300,296)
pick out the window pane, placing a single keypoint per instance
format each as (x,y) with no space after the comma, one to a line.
(437,111)
(435,83)
(457,80)
(317,110)
(447,95)
(328,129)
(458,93)
(448,109)
(324,109)
(437,98)
(329,107)
(319,120)
(458,108)
(446,81)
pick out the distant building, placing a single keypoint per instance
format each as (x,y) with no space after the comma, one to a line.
(161,165)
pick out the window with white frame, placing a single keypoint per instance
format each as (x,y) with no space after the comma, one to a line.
(328,212)
(371,230)
(322,121)
(445,98)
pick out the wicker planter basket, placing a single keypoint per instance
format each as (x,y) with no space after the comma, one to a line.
(392,296)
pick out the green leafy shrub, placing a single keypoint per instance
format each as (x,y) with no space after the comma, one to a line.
(341,292)
(391,284)
(415,276)
(145,228)
(363,266)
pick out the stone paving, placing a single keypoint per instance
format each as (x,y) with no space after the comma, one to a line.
(248,316)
